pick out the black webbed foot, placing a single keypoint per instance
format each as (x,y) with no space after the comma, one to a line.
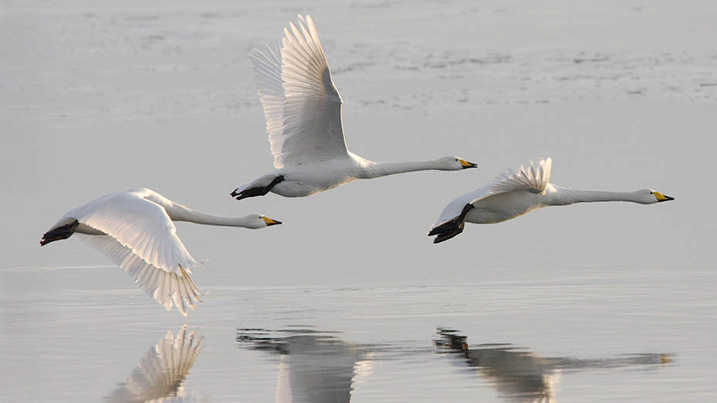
(59,233)
(257,191)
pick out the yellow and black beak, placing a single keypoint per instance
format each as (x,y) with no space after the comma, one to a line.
(662,198)
(269,222)
(465,164)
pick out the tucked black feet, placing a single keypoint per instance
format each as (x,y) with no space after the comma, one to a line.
(257,191)
(444,236)
(451,228)
(59,233)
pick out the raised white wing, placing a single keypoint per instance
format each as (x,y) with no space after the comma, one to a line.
(529,178)
(142,240)
(301,103)
(161,372)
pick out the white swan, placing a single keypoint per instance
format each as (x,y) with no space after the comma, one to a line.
(303,119)
(136,230)
(519,192)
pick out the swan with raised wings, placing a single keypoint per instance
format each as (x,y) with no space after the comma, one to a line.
(135,229)
(519,192)
(302,108)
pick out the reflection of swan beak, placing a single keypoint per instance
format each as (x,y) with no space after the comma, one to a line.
(467,164)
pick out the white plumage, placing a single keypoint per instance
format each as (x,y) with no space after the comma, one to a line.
(136,230)
(302,108)
(519,192)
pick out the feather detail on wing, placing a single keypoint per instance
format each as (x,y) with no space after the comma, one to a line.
(161,372)
(267,65)
(141,226)
(301,103)
(167,287)
(530,178)
(142,240)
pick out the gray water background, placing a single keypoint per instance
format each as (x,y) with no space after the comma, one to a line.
(96,99)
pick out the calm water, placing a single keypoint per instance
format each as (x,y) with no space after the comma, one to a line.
(349,300)
(596,336)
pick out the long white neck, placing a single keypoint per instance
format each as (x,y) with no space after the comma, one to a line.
(378,169)
(209,219)
(564,196)
(178,212)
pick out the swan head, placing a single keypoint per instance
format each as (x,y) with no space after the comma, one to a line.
(454,164)
(650,196)
(258,221)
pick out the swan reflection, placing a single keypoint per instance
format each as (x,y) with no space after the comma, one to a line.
(522,376)
(160,373)
(315,367)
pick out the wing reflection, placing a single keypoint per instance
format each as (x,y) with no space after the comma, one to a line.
(160,373)
(315,367)
(522,376)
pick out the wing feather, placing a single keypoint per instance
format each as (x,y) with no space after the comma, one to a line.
(530,178)
(154,281)
(142,240)
(267,65)
(301,103)
(140,225)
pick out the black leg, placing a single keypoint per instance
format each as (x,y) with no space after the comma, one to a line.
(59,233)
(259,190)
(451,228)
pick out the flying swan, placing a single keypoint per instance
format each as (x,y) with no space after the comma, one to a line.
(135,229)
(303,119)
(519,192)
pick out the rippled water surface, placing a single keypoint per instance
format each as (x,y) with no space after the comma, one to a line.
(348,300)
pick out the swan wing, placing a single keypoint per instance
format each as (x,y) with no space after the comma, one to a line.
(267,66)
(167,287)
(301,103)
(532,178)
(161,372)
(142,240)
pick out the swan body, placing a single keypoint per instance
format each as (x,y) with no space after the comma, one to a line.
(136,230)
(302,108)
(519,192)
